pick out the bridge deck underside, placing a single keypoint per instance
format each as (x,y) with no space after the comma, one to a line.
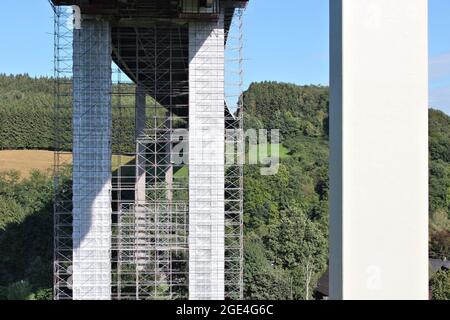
(156,58)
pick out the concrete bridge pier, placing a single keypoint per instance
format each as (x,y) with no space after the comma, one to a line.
(92,122)
(206,160)
(379,149)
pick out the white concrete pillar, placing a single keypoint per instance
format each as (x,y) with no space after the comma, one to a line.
(168,159)
(140,210)
(92,160)
(379,149)
(140,98)
(206,160)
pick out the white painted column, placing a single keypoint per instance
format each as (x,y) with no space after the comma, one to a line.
(141,227)
(92,160)
(379,149)
(141,153)
(206,160)
(168,159)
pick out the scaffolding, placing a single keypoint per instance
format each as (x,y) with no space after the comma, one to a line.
(150,175)
(62,219)
(234,157)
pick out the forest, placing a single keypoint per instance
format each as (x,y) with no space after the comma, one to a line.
(285,215)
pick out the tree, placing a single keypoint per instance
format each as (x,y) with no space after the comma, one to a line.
(19,291)
(285,216)
(296,243)
(440,285)
(262,280)
(26,229)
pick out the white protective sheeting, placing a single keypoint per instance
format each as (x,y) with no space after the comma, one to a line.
(206,160)
(92,161)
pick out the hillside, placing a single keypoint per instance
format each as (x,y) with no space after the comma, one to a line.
(286,215)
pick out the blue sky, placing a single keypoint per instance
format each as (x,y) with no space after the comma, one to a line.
(285,43)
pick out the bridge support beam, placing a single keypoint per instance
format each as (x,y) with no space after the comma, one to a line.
(92,160)
(379,149)
(206,161)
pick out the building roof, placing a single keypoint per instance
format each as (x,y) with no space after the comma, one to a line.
(323,284)
(438,264)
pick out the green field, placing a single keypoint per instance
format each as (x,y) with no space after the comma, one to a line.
(272,150)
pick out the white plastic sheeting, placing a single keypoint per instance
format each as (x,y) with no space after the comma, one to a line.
(206,160)
(92,161)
